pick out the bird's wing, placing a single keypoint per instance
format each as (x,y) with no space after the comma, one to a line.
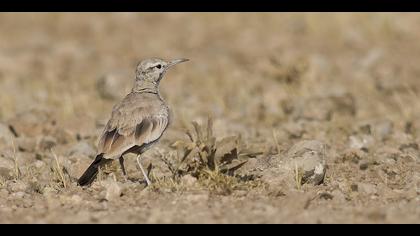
(131,126)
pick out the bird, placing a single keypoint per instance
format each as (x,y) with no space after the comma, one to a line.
(137,122)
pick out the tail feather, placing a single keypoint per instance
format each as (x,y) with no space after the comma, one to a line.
(90,174)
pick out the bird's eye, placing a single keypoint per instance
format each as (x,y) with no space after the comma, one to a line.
(158,66)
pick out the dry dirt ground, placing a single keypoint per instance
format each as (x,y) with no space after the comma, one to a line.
(314,118)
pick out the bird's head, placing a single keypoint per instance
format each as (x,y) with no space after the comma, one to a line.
(152,70)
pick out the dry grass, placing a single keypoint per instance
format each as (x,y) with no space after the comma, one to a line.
(16,170)
(59,172)
(2,182)
(267,80)
(298,177)
(213,162)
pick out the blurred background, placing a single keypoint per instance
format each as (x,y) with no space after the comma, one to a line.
(350,80)
(243,66)
(238,60)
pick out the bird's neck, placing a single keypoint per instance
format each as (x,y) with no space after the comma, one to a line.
(145,86)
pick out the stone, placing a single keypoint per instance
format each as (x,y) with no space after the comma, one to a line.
(189,180)
(361,142)
(279,177)
(18,186)
(364,165)
(76,199)
(39,164)
(367,188)
(49,191)
(353,155)
(18,195)
(113,190)
(308,156)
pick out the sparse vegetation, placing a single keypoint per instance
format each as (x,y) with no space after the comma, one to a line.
(270,81)
(59,171)
(298,177)
(213,162)
(203,153)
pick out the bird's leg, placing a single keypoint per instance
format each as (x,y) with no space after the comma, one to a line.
(123,168)
(142,170)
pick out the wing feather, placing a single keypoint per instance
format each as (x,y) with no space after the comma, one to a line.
(118,140)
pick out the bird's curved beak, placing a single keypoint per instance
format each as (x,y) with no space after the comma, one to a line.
(176,61)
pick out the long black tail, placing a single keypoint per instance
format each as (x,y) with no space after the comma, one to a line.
(90,174)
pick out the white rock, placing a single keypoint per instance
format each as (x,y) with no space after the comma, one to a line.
(76,199)
(48,191)
(189,180)
(18,186)
(367,188)
(39,164)
(17,195)
(309,157)
(361,142)
(70,200)
(319,173)
(113,190)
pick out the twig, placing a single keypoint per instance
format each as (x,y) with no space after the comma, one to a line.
(298,178)
(276,141)
(17,171)
(60,171)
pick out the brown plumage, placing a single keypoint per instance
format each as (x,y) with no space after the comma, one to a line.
(137,122)
(141,118)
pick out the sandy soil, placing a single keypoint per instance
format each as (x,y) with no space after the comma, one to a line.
(315,118)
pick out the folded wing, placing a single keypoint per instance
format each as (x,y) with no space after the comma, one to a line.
(117,139)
